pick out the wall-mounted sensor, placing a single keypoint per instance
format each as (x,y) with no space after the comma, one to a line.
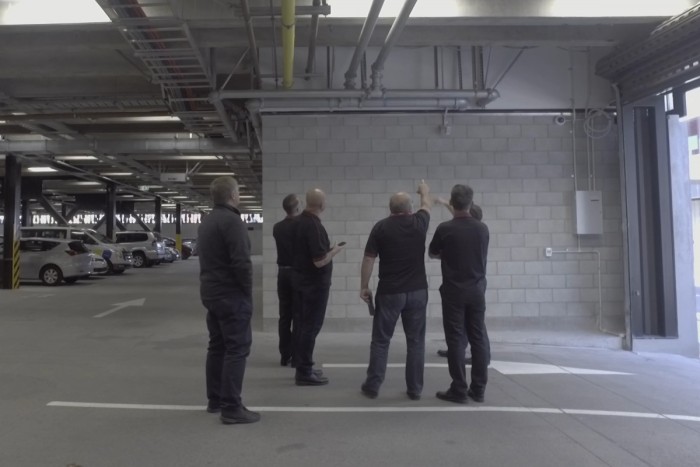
(560,120)
(548,252)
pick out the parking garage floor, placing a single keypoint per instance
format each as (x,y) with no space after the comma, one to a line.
(126,389)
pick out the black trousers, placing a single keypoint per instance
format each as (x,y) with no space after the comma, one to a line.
(230,337)
(288,312)
(463,320)
(313,300)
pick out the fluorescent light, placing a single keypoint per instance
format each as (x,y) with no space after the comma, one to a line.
(116,174)
(41,169)
(76,158)
(166,192)
(168,205)
(180,197)
(52,12)
(214,174)
(246,196)
(85,183)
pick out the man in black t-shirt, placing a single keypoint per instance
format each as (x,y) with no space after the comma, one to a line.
(399,242)
(284,234)
(462,246)
(313,267)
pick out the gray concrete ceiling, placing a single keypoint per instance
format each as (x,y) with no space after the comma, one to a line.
(77,84)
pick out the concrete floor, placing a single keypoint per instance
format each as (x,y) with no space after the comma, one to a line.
(55,351)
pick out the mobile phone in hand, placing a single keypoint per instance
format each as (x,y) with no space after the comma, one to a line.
(341,244)
(370,304)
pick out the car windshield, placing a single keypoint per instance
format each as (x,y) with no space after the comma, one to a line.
(99,237)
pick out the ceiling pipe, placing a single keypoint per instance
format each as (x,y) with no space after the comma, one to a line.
(313,36)
(388,94)
(252,44)
(362,42)
(288,30)
(226,120)
(391,38)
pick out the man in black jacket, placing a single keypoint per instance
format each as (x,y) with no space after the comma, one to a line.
(226,284)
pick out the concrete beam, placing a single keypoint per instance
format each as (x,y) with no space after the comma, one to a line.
(123,146)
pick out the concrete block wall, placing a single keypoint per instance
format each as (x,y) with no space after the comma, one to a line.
(522,170)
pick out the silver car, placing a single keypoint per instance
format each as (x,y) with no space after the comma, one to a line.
(53,260)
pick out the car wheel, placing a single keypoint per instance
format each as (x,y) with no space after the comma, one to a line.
(139,260)
(51,275)
(71,280)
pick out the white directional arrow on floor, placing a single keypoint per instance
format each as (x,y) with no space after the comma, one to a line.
(119,306)
(506,368)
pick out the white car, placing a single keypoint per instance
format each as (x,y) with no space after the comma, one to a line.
(53,260)
(99,265)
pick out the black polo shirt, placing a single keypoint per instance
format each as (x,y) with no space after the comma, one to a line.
(462,244)
(284,232)
(311,244)
(399,241)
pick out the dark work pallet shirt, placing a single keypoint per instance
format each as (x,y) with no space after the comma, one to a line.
(311,244)
(285,232)
(399,241)
(463,244)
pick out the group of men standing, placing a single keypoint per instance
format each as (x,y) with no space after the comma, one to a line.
(305,267)
(399,242)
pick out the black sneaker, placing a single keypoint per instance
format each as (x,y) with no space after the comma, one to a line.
(368,393)
(239,415)
(213,407)
(475,397)
(311,380)
(413,396)
(285,361)
(442,353)
(451,396)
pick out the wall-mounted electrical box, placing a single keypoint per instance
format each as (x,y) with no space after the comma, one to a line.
(589,213)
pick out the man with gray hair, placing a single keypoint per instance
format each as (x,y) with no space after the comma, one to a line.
(462,246)
(399,242)
(226,290)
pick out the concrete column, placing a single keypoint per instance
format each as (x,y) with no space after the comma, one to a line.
(158,214)
(26,214)
(178,226)
(111,210)
(12,196)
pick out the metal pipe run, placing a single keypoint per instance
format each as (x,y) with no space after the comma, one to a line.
(362,42)
(391,38)
(288,30)
(313,36)
(252,44)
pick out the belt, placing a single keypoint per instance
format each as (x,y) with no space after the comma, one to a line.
(285,267)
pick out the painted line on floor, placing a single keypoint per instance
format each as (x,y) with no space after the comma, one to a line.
(419,409)
(506,368)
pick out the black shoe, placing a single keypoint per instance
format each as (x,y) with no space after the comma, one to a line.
(311,380)
(284,361)
(413,396)
(451,397)
(213,407)
(317,372)
(442,353)
(369,393)
(240,415)
(473,396)
(467,360)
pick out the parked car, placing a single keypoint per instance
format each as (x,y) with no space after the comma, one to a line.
(147,248)
(186,248)
(170,256)
(118,258)
(53,260)
(99,265)
(192,245)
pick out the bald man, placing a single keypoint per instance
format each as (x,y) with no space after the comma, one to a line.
(313,266)
(399,243)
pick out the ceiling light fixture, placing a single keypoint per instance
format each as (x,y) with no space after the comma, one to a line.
(41,169)
(116,174)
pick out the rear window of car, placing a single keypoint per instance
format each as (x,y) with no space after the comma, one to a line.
(131,237)
(44,233)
